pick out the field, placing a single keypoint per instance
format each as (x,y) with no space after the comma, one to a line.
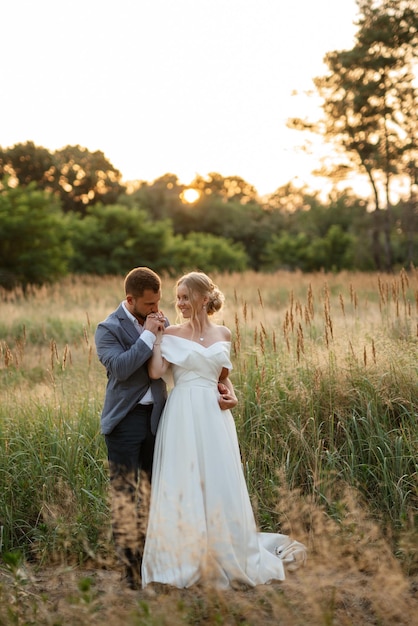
(326,372)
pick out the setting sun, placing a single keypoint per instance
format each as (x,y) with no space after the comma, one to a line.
(190,195)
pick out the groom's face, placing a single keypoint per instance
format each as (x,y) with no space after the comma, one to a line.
(141,306)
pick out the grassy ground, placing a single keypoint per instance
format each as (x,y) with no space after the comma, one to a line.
(325,368)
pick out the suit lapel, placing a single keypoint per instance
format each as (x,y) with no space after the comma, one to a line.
(126,324)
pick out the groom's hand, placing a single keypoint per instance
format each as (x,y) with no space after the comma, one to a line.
(155,322)
(226,399)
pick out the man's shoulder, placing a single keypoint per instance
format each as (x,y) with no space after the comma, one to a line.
(114,318)
(118,313)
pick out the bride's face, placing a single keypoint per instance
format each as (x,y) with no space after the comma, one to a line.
(183,302)
(188,307)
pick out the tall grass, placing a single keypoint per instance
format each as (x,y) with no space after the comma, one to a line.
(330,390)
(325,368)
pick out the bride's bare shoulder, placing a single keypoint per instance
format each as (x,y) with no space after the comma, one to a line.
(175,329)
(225,332)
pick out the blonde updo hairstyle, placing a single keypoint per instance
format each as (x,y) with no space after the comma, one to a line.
(198,284)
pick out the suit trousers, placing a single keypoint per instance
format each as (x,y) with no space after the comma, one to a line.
(130,449)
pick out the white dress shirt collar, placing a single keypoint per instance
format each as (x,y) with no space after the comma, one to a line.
(133,319)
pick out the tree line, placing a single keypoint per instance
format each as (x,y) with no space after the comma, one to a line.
(69,211)
(370,104)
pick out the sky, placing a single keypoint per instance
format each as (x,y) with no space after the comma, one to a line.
(170,86)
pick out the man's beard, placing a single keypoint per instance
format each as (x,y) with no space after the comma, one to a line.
(140,317)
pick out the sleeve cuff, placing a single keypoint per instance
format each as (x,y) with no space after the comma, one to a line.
(148,338)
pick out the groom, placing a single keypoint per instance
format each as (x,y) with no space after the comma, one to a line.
(132,408)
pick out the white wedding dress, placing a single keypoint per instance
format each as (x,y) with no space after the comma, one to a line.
(201,525)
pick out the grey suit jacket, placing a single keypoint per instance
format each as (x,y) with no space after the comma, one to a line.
(125,356)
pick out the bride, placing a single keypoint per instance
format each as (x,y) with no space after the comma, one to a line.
(201,525)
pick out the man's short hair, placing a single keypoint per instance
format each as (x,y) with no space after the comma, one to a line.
(140,279)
